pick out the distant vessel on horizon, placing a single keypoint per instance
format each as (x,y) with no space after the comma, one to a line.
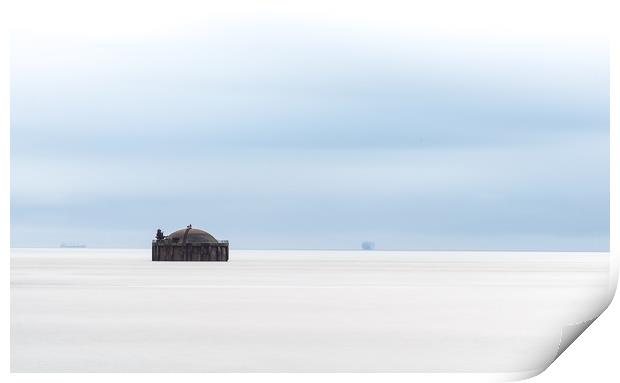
(72,245)
(368,245)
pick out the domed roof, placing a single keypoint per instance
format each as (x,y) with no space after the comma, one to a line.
(189,235)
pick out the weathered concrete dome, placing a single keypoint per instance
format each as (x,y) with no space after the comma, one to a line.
(190,235)
(188,244)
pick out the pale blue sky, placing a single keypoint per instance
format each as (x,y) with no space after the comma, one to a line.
(279,137)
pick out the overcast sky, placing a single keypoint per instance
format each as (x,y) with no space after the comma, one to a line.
(278,134)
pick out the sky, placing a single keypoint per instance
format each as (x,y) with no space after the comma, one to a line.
(278,133)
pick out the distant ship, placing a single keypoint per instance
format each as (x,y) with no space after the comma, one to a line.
(368,245)
(72,245)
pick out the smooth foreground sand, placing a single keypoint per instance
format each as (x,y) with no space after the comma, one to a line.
(75,310)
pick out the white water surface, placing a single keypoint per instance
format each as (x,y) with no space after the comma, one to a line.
(95,310)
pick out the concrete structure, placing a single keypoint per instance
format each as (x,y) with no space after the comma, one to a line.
(188,244)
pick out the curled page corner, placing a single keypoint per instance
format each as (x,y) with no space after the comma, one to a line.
(570,333)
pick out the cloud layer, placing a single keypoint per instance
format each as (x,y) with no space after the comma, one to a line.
(278,137)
